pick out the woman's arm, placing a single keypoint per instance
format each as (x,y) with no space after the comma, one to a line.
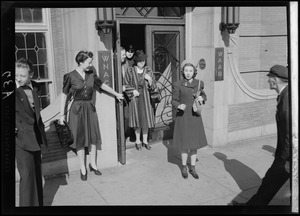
(62,108)
(111,91)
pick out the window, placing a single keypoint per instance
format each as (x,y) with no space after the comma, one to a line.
(32,41)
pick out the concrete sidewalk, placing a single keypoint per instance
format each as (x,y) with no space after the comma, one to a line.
(154,178)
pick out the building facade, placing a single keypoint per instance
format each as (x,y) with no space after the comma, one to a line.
(233,66)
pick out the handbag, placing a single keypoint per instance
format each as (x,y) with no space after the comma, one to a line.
(155,96)
(64,133)
(129,92)
(196,104)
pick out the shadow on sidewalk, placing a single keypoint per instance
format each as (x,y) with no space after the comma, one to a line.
(52,183)
(270,149)
(245,177)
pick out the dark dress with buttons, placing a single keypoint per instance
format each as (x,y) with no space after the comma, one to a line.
(188,129)
(83,119)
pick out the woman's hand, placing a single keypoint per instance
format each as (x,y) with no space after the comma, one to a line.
(119,97)
(200,99)
(182,106)
(148,78)
(135,93)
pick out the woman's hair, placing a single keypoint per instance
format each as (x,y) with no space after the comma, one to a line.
(189,64)
(82,56)
(24,63)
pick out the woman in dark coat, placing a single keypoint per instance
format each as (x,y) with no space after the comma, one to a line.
(141,115)
(189,134)
(81,84)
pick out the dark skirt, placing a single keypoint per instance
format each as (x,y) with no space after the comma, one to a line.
(83,121)
(188,131)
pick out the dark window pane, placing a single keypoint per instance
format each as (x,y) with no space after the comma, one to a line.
(37,15)
(44,89)
(18,15)
(30,40)
(19,41)
(43,70)
(35,72)
(21,54)
(32,56)
(41,40)
(45,102)
(42,56)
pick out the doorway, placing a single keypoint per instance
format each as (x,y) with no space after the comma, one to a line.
(164,45)
(133,34)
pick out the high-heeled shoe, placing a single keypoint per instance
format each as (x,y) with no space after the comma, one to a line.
(83,177)
(147,146)
(138,146)
(97,172)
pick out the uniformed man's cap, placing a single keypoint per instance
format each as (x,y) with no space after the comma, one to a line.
(279,71)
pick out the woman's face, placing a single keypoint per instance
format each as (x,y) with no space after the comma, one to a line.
(87,64)
(129,54)
(141,64)
(188,72)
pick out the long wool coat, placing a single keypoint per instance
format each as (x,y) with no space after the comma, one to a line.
(188,130)
(131,81)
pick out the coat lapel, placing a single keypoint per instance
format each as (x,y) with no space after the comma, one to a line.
(22,98)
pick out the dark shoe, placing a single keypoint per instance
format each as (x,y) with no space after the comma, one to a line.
(235,203)
(97,172)
(138,146)
(194,174)
(184,172)
(147,146)
(83,177)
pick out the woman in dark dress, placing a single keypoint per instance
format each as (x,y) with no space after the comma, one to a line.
(81,84)
(141,115)
(189,134)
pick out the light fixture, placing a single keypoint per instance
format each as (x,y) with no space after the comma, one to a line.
(230,19)
(105,20)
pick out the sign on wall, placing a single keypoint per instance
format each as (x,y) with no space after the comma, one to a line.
(105,66)
(219,64)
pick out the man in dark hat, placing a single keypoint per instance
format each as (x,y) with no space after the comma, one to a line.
(279,172)
(129,55)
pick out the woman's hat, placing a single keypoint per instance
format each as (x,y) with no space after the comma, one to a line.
(139,56)
(190,61)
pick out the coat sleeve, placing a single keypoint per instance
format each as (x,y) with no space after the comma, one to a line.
(151,74)
(284,125)
(175,95)
(128,78)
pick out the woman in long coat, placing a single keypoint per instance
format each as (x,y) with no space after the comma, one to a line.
(141,114)
(189,134)
(81,84)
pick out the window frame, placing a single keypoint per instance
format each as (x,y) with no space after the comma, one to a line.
(44,27)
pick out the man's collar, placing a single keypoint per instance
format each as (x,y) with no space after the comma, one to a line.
(29,84)
(281,89)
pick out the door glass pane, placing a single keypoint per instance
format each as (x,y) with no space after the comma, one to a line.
(166,62)
(166,51)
